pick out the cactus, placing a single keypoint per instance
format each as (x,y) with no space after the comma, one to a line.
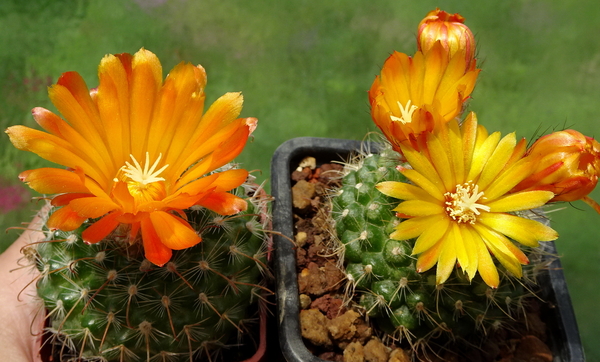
(381,274)
(142,164)
(106,302)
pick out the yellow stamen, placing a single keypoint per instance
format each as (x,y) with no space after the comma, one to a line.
(462,205)
(406,113)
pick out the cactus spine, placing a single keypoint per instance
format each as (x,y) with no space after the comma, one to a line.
(105,302)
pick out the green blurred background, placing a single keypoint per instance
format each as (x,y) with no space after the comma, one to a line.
(304,68)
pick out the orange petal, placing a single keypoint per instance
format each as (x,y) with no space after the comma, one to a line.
(190,119)
(223,203)
(65,199)
(183,89)
(92,207)
(65,219)
(224,145)
(172,231)
(113,106)
(101,228)
(71,97)
(146,79)
(429,258)
(49,180)
(52,148)
(221,181)
(121,195)
(222,112)
(154,250)
(58,127)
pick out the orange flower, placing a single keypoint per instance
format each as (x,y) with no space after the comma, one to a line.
(414,95)
(138,151)
(566,163)
(450,31)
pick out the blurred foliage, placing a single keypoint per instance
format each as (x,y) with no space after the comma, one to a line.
(305,66)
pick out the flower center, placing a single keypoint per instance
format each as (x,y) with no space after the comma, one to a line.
(406,113)
(462,205)
(141,180)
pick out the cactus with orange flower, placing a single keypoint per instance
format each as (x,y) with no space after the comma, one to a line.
(156,244)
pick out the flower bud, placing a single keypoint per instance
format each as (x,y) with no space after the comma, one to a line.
(450,31)
(566,163)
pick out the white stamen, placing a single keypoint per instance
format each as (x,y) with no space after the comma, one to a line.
(406,113)
(462,205)
(147,175)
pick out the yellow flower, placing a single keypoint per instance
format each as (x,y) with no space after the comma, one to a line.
(450,31)
(457,205)
(138,151)
(415,95)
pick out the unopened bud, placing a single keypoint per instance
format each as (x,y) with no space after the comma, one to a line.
(450,31)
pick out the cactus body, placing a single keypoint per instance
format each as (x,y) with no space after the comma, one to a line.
(106,302)
(404,302)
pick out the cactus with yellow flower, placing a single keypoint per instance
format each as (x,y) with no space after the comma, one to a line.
(155,243)
(444,260)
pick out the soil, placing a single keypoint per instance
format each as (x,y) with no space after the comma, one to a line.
(335,331)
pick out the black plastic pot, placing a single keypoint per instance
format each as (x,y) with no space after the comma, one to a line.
(562,326)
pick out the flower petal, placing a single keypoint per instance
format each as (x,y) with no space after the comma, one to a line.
(439,157)
(101,228)
(506,252)
(415,208)
(429,258)
(462,256)
(172,231)
(71,97)
(218,182)
(525,231)
(403,191)
(146,78)
(447,258)
(65,199)
(51,148)
(113,105)
(49,180)
(223,203)
(497,160)
(92,207)
(426,169)
(520,201)
(481,155)
(470,240)
(411,228)
(224,147)
(438,227)
(154,250)
(487,268)
(424,183)
(65,219)
(508,179)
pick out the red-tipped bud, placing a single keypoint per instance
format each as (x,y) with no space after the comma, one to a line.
(450,31)
(566,163)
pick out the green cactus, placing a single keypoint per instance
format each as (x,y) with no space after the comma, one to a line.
(381,273)
(106,302)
